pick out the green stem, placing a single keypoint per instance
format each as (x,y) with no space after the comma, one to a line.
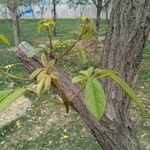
(71,47)
(50,40)
(76,94)
(14,77)
(101,76)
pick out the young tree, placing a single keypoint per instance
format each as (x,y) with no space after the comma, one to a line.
(55,3)
(13,6)
(99,7)
(13,9)
(106,10)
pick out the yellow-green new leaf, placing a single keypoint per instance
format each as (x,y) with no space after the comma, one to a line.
(35,73)
(79,78)
(88,72)
(41,75)
(95,98)
(127,89)
(50,64)
(44,60)
(105,72)
(47,84)
(11,98)
(40,87)
(4,40)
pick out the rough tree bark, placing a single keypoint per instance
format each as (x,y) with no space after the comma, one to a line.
(125,40)
(124,44)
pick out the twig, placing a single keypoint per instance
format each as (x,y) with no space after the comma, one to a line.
(50,40)
(46,98)
(76,94)
(70,48)
(94,3)
(105,4)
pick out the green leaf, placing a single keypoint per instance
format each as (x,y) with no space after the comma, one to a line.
(82,57)
(34,52)
(95,98)
(10,98)
(105,72)
(87,72)
(4,40)
(127,89)
(79,78)
(50,64)
(43,46)
(5,93)
(44,60)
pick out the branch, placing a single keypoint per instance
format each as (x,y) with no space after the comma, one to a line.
(69,88)
(76,94)
(50,40)
(42,97)
(106,4)
(70,48)
(94,1)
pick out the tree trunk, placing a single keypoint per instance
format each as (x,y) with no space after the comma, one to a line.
(106,11)
(124,44)
(15,21)
(54,15)
(18,26)
(15,25)
(125,40)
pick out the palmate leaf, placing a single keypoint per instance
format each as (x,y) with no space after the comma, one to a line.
(9,97)
(95,98)
(127,89)
(4,40)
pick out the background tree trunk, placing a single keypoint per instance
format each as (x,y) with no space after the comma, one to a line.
(12,6)
(106,11)
(54,15)
(125,40)
(98,15)
(16,27)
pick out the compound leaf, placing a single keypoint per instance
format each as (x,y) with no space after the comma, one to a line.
(95,98)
